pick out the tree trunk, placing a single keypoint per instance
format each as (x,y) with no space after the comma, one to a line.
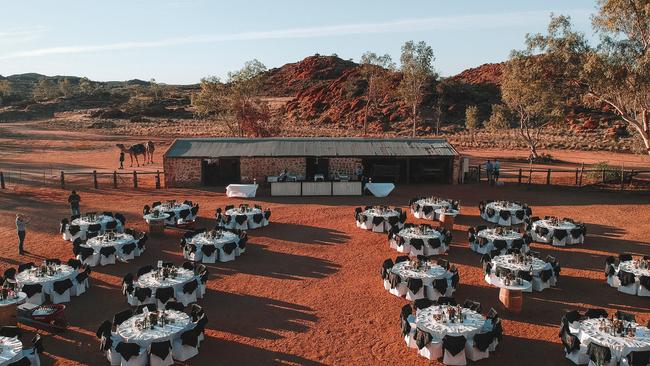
(415,118)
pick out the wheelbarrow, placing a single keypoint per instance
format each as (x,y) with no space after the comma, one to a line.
(51,316)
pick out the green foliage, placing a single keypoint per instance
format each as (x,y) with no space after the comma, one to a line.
(66,88)
(499,118)
(6,90)
(376,70)
(471,118)
(45,89)
(417,73)
(236,102)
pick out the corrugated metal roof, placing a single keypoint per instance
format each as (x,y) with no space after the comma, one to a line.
(307,146)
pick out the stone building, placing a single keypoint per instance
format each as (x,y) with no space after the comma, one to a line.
(196,162)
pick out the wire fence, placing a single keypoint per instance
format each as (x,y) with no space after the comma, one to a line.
(606,178)
(79,180)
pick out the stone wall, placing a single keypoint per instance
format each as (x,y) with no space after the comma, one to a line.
(344,165)
(182,172)
(259,168)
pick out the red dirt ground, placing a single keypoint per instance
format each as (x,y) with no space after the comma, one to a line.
(307,291)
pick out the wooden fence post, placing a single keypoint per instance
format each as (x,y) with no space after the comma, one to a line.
(603,175)
(479,173)
(548,177)
(135,179)
(95,179)
(582,171)
(157,179)
(2,180)
(530,176)
(115,179)
(576,176)
(62,180)
(622,177)
(520,174)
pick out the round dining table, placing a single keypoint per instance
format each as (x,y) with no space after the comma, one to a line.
(11,350)
(543,231)
(490,235)
(431,209)
(472,323)
(201,239)
(130,331)
(102,241)
(386,215)
(592,330)
(427,273)
(424,234)
(32,276)
(516,213)
(9,308)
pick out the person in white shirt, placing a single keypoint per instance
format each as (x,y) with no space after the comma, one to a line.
(21,222)
(495,170)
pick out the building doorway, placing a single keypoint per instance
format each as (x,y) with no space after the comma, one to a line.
(218,172)
(317,166)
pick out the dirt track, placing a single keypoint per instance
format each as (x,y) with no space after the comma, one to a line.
(308,292)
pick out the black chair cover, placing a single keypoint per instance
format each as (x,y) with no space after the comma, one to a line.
(127,350)
(433,242)
(142,293)
(175,305)
(414,284)
(394,280)
(164,294)
(598,354)
(161,349)
(122,316)
(626,278)
(32,289)
(638,358)
(240,219)
(107,251)
(22,362)
(10,331)
(25,266)
(422,338)
(622,315)
(595,313)
(422,303)
(385,268)
(190,287)
(228,248)
(483,340)
(190,338)
(625,257)
(104,328)
(150,307)
(443,300)
(570,342)
(128,248)
(377,220)
(454,344)
(417,243)
(60,287)
(401,258)
(208,249)
(440,285)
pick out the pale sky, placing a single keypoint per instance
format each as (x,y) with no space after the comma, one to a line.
(181,41)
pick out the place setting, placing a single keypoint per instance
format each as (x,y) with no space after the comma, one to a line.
(210,246)
(504,213)
(449,331)
(420,277)
(597,338)
(556,231)
(434,208)
(422,239)
(91,224)
(379,218)
(52,280)
(628,274)
(243,217)
(485,240)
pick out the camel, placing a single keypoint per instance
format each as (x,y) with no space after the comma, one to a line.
(134,150)
(150,150)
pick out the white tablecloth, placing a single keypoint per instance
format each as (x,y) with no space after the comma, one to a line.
(412,233)
(525,286)
(14,300)
(148,280)
(11,350)
(491,235)
(427,274)
(241,190)
(439,329)
(29,277)
(150,217)
(498,207)
(535,266)
(380,189)
(176,209)
(128,332)
(588,331)
(249,213)
(417,208)
(631,266)
(202,239)
(564,225)
(100,242)
(84,222)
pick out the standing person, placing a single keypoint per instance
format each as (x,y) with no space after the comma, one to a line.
(488,170)
(74,200)
(21,222)
(121,159)
(495,170)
